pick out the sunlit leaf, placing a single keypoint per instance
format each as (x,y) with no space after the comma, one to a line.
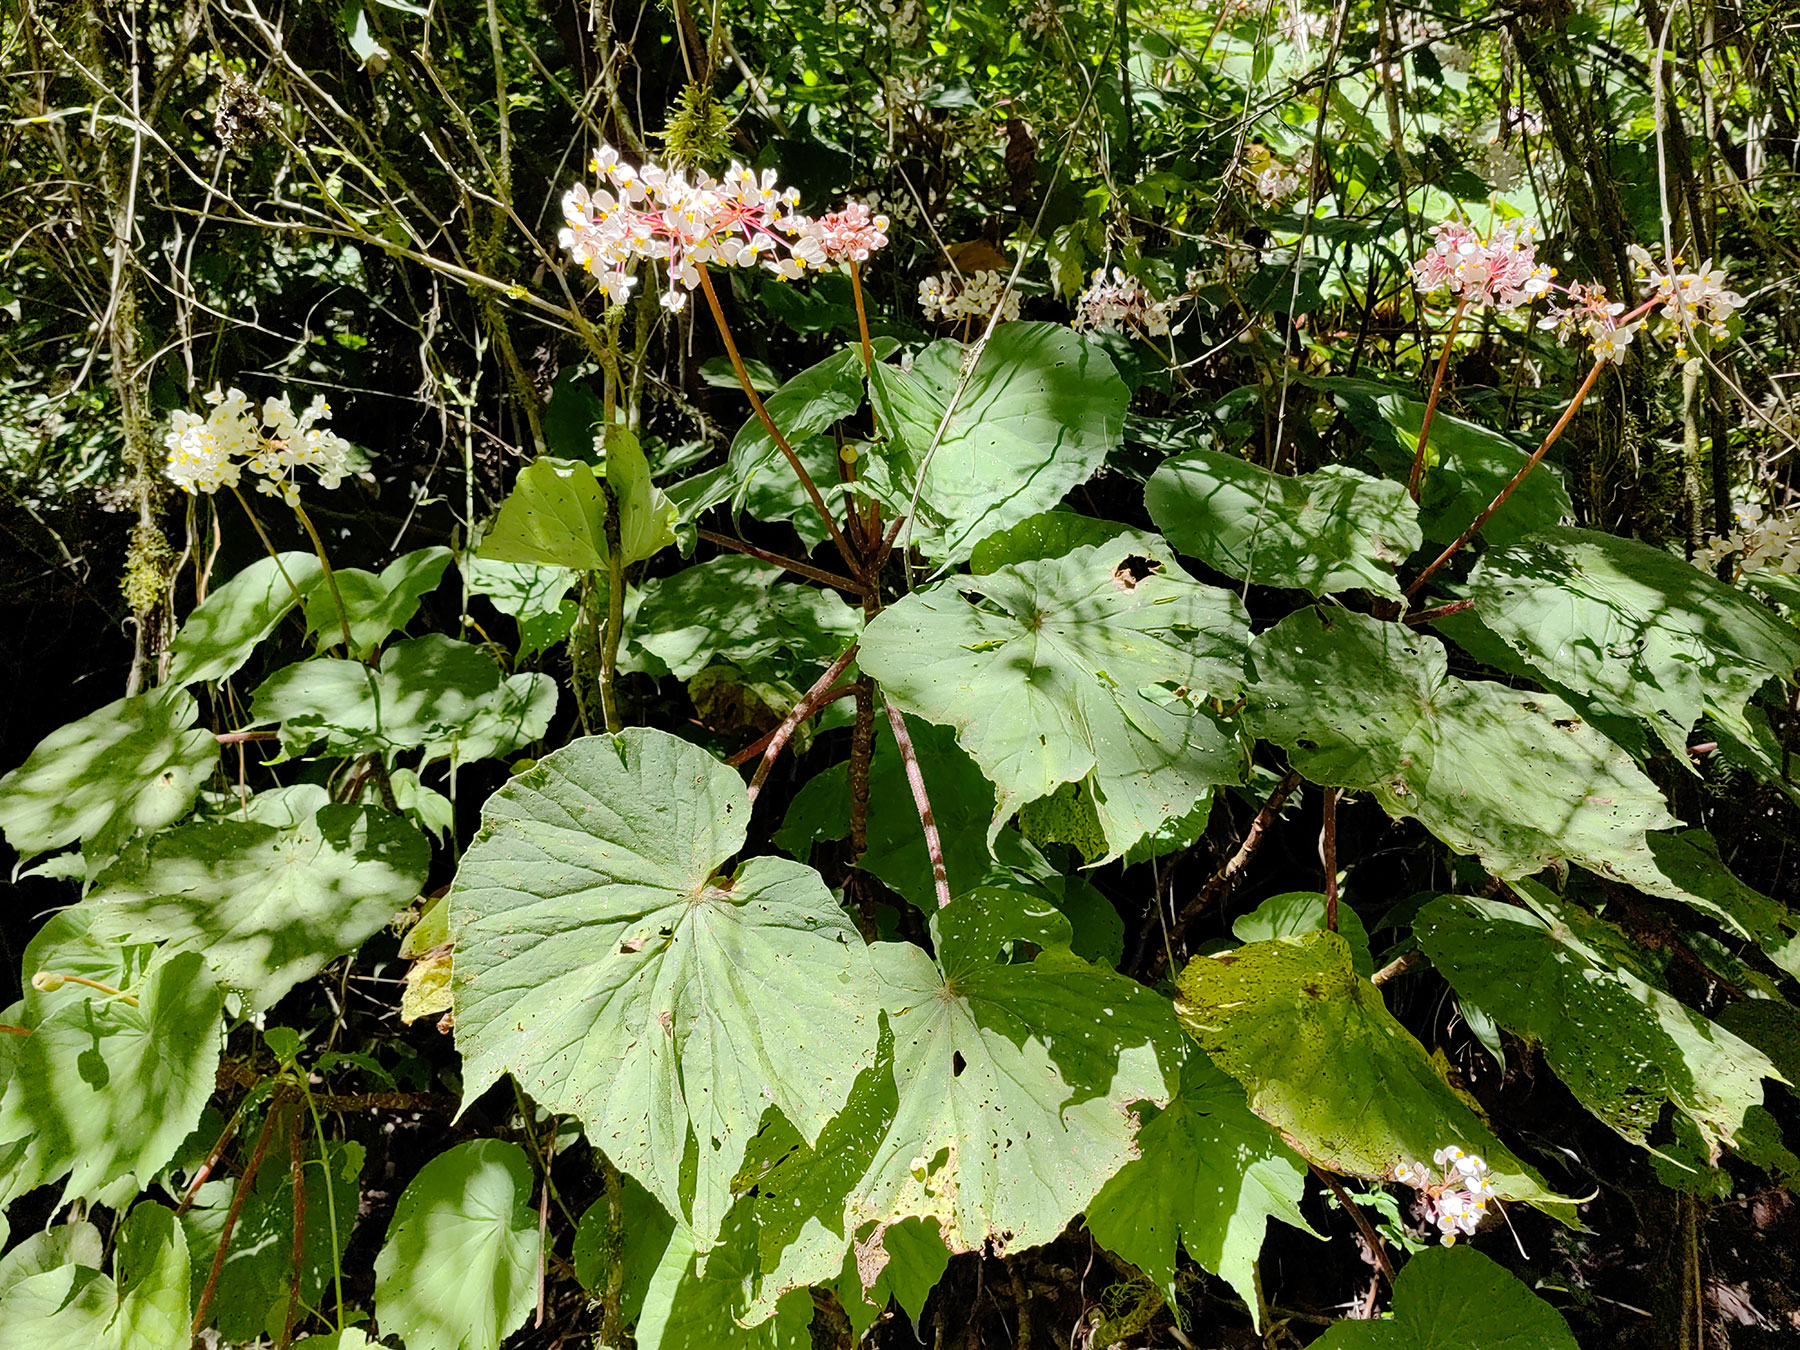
(1334,530)
(378,604)
(225,628)
(1514,777)
(603,960)
(458,1270)
(1324,1061)
(739,609)
(1456,1298)
(1091,668)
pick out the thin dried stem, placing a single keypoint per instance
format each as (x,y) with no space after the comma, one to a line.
(330,577)
(1369,1235)
(238,1197)
(297,1175)
(761,743)
(794,565)
(1397,967)
(1328,856)
(915,777)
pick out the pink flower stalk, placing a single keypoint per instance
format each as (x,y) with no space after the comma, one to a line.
(1501,272)
(850,234)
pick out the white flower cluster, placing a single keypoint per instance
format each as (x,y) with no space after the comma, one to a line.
(744,220)
(1456,1197)
(1107,306)
(211,452)
(1267,179)
(949,296)
(1596,317)
(1761,543)
(1688,299)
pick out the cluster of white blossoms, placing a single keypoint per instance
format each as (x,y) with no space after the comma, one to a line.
(1595,316)
(1260,175)
(211,452)
(1456,1197)
(1761,543)
(1107,306)
(1687,299)
(1501,272)
(949,296)
(742,220)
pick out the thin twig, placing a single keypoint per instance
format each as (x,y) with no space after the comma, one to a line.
(1441,612)
(1328,856)
(239,737)
(1397,967)
(1226,877)
(297,1173)
(794,565)
(761,743)
(813,700)
(1376,1249)
(915,777)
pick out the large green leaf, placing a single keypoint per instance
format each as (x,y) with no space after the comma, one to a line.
(1622,1046)
(1298,912)
(458,1270)
(1455,1298)
(603,961)
(1467,466)
(135,764)
(1326,1063)
(431,691)
(1041,410)
(739,609)
(644,1227)
(72,1306)
(378,603)
(999,1104)
(266,905)
(102,1088)
(222,632)
(805,406)
(1049,534)
(1686,866)
(533,595)
(1209,1173)
(696,1305)
(556,513)
(1334,530)
(1090,668)
(1631,627)
(1516,778)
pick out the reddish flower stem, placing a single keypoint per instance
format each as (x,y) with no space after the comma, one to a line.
(813,700)
(781,441)
(1416,478)
(238,1197)
(1328,857)
(793,565)
(1507,491)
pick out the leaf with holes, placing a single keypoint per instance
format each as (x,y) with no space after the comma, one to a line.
(1324,1061)
(1000,1103)
(1039,413)
(1513,777)
(1209,1173)
(267,905)
(458,1270)
(1093,668)
(135,764)
(1624,1047)
(738,609)
(1334,530)
(603,961)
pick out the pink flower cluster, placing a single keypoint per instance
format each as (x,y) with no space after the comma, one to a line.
(1501,272)
(1106,305)
(743,220)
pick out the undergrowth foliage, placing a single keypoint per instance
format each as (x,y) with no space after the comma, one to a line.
(979,841)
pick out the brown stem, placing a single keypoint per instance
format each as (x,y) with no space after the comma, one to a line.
(241,1194)
(1507,491)
(239,737)
(862,318)
(8,1029)
(1397,967)
(1226,877)
(297,1174)
(218,1151)
(543,1269)
(781,442)
(793,565)
(761,743)
(1415,479)
(1376,1249)
(862,751)
(934,844)
(1441,612)
(1328,857)
(810,703)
